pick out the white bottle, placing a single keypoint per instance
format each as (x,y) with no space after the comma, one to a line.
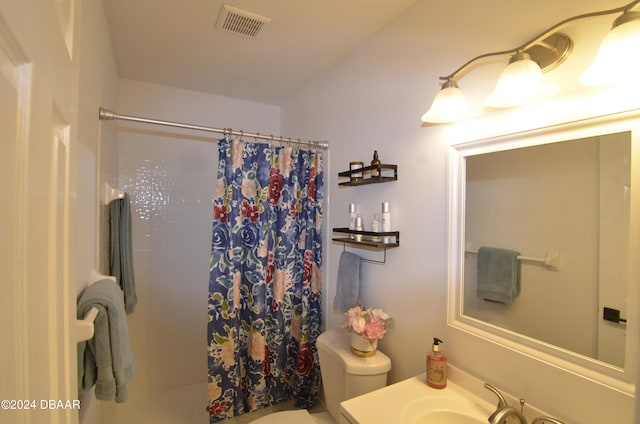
(375,226)
(352,218)
(359,227)
(386,221)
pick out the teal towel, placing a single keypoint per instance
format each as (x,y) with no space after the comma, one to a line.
(348,286)
(498,275)
(121,250)
(105,360)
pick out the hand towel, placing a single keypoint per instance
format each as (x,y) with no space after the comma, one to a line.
(121,250)
(348,287)
(498,275)
(105,360)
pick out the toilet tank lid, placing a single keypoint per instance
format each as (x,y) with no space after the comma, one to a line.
(337,344)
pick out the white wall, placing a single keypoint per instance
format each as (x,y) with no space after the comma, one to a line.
(53,70)
(96,159)
(373,100)
(170,176)
(370,102)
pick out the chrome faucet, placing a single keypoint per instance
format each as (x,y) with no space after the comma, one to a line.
(502,402)
(547,420)
(503,411)
(501,416)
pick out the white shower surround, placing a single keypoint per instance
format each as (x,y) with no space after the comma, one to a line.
(170,176)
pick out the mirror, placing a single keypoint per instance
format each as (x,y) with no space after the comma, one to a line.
(561,200)
(567,200)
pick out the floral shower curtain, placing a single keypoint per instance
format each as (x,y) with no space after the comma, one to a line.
(265,284)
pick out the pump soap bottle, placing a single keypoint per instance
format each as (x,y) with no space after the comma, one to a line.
(436,367)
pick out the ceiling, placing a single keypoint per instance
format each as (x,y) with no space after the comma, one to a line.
(176,43)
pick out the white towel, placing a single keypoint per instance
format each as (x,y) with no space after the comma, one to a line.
(348,287)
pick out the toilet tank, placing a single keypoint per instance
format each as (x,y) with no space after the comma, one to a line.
(345,375)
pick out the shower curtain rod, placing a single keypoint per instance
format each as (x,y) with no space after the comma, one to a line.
(109,115)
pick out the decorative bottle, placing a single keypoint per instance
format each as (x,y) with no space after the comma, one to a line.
(436,366)
(375,226)
(359,227)
(354,166)
(386,220)
(375,162)
(352,218)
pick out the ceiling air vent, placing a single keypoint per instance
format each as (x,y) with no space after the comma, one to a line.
(241,22)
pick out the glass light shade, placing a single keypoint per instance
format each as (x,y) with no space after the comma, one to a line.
(521,82)
(618,59)
(450,105)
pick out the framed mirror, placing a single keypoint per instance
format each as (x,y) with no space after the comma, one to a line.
(564,202)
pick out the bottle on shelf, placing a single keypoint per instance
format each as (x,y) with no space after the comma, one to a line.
(352,218)
(386,220)
(375,162)
(375,226)
(359,227)
(354,166)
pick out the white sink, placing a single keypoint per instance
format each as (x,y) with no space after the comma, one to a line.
(443,410)
(413,402)
(447,417)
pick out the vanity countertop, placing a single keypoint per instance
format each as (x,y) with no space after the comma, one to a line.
(400,401)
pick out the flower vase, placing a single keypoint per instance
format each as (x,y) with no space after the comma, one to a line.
(363,347)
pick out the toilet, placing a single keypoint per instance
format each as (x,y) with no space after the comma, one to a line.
(344,376)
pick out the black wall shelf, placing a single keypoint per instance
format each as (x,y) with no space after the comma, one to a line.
(367,241)
(385,173)
(367,237)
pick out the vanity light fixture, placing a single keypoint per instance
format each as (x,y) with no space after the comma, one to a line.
(617,59)
(449,105)
(522,81)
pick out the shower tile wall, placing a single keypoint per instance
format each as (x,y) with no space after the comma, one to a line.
(171,183)
(170,178)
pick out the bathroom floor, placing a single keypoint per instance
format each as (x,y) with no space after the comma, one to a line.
(188,405)
(181,405)
(319,414)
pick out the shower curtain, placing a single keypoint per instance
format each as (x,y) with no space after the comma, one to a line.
(265,283)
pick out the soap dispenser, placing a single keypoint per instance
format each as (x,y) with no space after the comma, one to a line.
(436,366)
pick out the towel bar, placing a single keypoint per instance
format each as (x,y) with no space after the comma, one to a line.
(96,276)
(84,327)
(371,261)
(551,260)
(110,193)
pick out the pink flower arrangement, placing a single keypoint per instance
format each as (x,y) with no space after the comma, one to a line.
(370,323)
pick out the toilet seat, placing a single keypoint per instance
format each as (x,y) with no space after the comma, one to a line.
(297,416)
